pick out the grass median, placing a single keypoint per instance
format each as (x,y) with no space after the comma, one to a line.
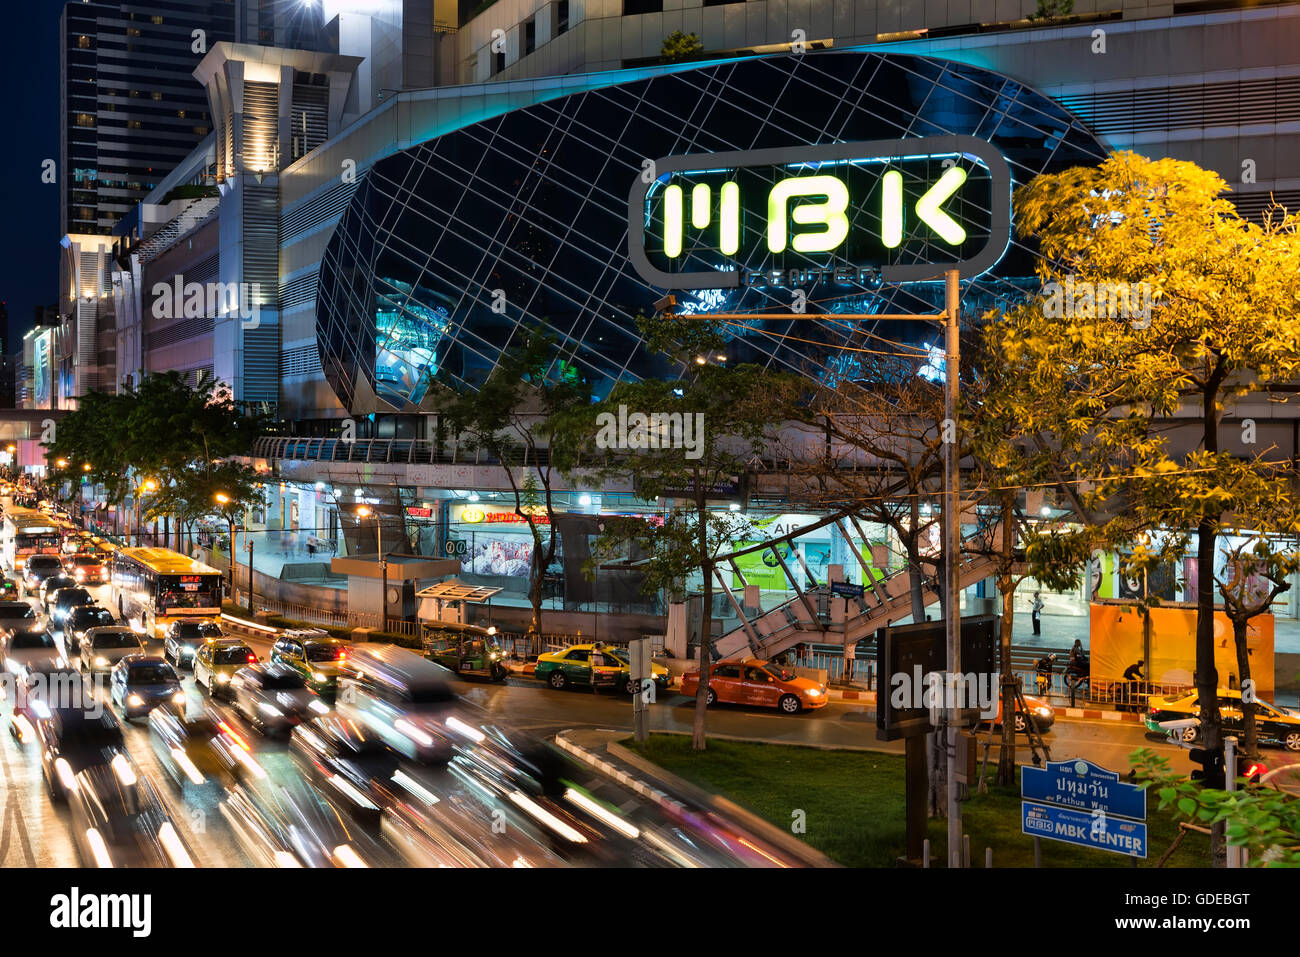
(854,812)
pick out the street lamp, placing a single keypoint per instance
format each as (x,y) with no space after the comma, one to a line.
(149,486)
(223,499)
(364,511)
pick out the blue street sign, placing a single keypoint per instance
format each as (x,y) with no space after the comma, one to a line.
(1087,829)
(847,589)
(1083,785)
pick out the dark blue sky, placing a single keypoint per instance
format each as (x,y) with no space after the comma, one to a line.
(29,75)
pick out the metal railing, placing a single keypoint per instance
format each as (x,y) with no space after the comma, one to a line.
(1060,688)
(334,619)
(399,451)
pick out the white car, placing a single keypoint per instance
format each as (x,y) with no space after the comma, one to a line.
(102,648)
(30,645)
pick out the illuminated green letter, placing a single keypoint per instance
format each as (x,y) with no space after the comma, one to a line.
(891,209)
(673,221)
(829,214)
(927,207)
(701,199)
(729,220)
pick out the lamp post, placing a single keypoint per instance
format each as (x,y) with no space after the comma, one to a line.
(225,500)
(364,511)
(149,486)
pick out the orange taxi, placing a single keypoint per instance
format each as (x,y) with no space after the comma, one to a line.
(763,684)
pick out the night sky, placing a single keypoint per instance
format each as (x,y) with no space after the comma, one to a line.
(29,75)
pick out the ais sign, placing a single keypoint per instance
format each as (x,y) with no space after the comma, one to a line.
(899,210)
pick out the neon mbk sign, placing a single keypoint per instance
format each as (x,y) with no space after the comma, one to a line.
(901,210)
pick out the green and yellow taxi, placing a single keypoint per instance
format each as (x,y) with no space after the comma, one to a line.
(578,665)
(217,660)
(1274,725)
(314,655)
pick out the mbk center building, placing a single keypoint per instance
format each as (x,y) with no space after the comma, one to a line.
(423,238)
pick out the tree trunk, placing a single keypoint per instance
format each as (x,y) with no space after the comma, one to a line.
(916,578)
(1207,677)
(535,583)
(1249,731)
(1007,588)
(706,616)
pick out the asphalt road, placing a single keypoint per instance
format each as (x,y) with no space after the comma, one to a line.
(35,832)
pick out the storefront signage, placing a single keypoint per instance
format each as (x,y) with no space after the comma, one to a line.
(899,210)
(472,515)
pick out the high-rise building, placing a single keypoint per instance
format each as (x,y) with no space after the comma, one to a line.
(132,111)
(131,106)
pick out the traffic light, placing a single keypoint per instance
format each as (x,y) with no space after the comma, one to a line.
(1212,774)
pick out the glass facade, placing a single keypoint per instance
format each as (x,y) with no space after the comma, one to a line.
(449,247)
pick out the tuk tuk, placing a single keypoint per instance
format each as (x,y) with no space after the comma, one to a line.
(467,654)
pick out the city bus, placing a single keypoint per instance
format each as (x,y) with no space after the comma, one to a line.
(27,532)
(153,587)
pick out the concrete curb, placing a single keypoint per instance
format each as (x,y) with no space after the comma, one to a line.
(618,774)
(791,845)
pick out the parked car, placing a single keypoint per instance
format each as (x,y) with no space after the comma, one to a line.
(80,620)
(1273,725)
(87,568)
(579,665)
(184,636)
(273,696)
(139,683)
(760,683)
(103,647)
(1043,714)
(216,662)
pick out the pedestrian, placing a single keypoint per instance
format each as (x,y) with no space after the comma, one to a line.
(1132,676)
(311,548)
(1077,669)
(1036,612)
(597,662)
(1043,669)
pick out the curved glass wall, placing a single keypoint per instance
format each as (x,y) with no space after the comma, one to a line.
(449,247)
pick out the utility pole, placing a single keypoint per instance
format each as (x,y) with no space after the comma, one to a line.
(364,511)
(951,547)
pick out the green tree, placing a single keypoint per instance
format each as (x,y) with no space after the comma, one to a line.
(1263,820)
(1159,300)
(159,430)
(680,46)
(728,412)
(1052,9)
(509,416)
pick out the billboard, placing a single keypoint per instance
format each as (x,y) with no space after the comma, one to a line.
(894,210)
(43,369)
